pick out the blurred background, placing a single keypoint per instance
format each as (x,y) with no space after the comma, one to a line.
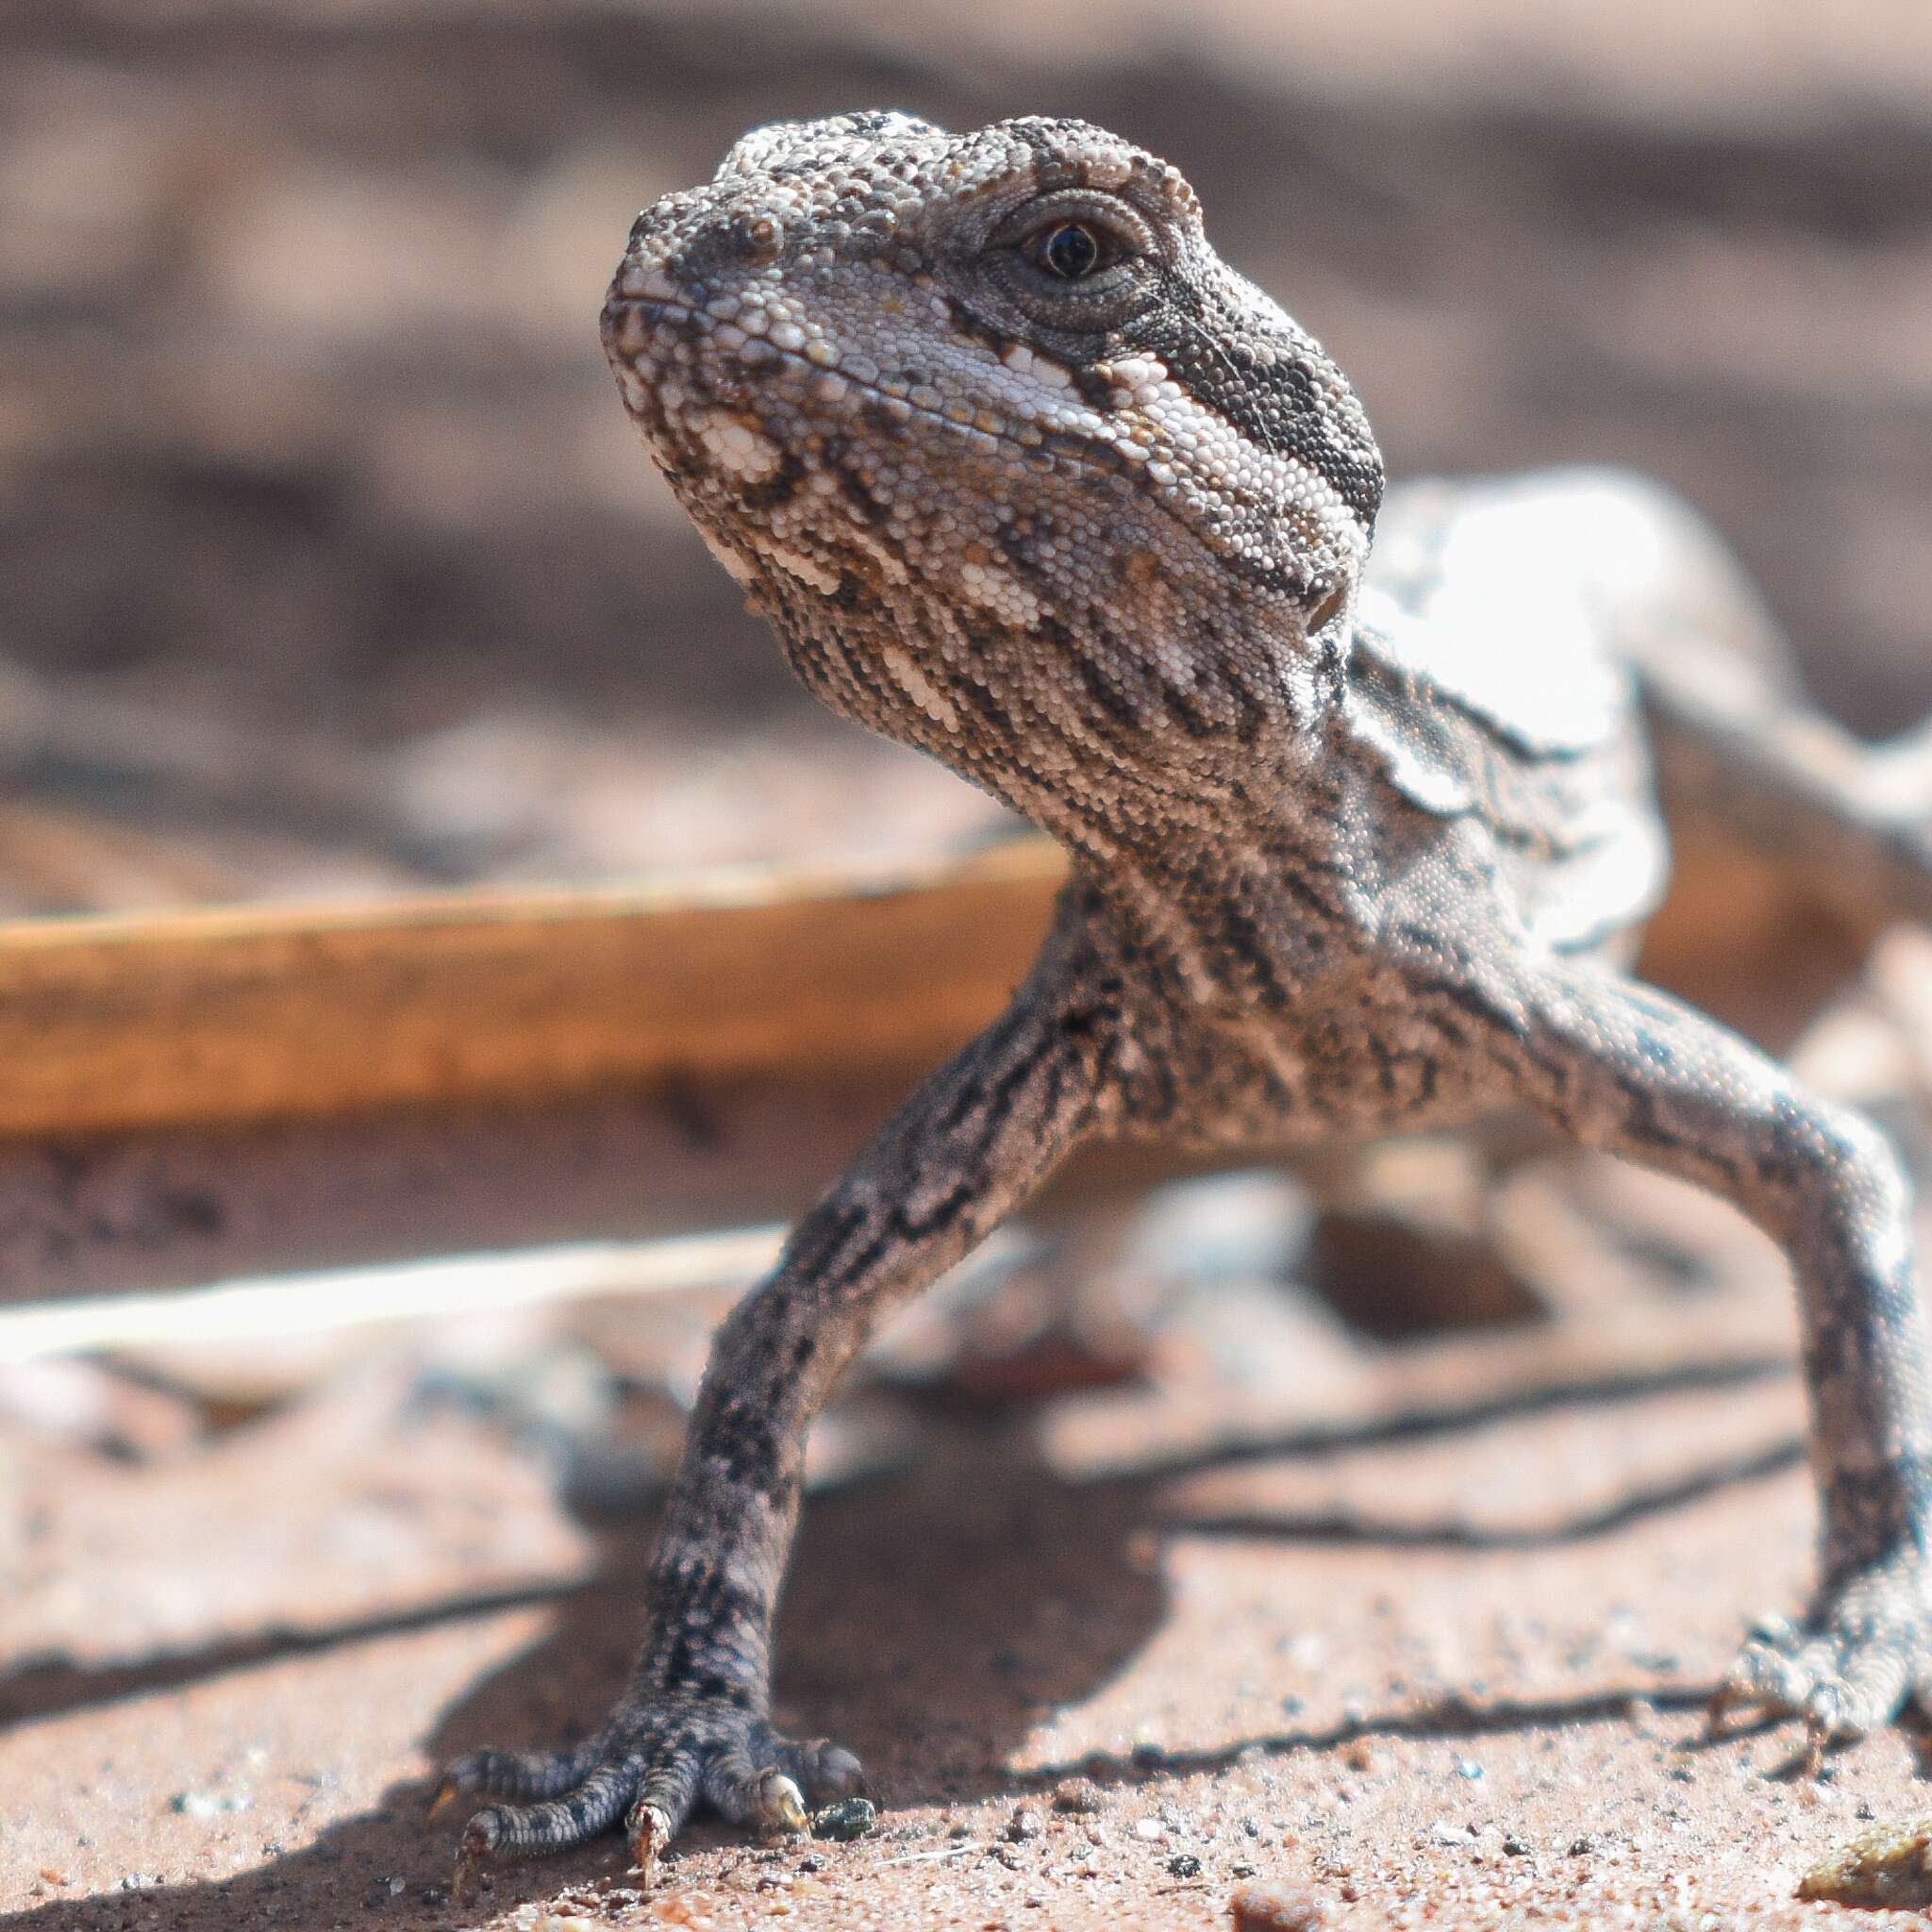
(330,565)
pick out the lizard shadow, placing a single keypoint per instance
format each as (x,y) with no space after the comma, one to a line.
(933,1620)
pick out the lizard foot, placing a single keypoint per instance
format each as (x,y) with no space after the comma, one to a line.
(648,1769)
(1850,1668)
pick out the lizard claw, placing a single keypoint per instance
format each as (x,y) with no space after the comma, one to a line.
(473,1861)
(1719,1706)
(780,1804)
(649,1830)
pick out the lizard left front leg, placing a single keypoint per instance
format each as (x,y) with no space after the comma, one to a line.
(1626,1068)
(692,1726)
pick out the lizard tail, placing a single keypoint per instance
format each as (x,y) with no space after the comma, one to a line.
(1745,756)
(1765,766)
(1742,751)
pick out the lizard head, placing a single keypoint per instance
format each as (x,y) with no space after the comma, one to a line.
(1022,472)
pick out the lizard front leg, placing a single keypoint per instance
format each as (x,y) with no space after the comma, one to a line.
(692,1727)
(1623,1067)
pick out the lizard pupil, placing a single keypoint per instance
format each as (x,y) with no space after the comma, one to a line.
(1071,251)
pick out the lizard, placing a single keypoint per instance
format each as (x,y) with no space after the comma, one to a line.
(1022,474)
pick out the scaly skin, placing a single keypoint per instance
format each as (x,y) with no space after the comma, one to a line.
(1022,474)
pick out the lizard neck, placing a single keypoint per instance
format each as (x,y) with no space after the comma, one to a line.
(1240,915)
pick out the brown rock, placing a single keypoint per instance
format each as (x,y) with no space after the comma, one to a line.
(1280,1908)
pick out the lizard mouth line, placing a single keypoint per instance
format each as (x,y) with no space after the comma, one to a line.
(700,329)
(1095,454)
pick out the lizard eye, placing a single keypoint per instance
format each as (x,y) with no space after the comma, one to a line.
(1069,250)
(1075,260)
(1075,251)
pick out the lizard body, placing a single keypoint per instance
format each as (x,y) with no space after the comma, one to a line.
(1021,474)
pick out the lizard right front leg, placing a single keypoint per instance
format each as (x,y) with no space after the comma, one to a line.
(691,1727)
(1626,1068)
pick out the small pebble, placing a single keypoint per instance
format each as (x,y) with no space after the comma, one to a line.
(1890,1865)
(1149,1830)
(851,1818)
(1080,1796)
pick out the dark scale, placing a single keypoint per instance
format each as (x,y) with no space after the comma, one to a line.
(1357,846)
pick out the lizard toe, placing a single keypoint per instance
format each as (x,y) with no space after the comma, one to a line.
(533,1831)
(649,1770)
(1850,1668)
(524,1778)
(777,1781)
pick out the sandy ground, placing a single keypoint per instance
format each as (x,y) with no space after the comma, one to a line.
(1436,1661)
